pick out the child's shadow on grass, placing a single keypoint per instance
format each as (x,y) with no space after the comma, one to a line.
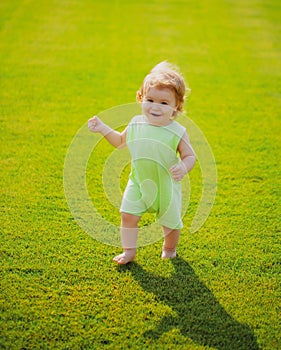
(200,316)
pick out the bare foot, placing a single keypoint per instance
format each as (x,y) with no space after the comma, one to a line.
(168,253)
(127,256)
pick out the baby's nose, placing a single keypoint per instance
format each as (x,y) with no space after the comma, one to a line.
(155,107)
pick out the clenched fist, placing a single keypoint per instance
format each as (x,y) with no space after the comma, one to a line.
(178,171)
(96,125)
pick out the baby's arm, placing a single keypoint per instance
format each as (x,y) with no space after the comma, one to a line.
(115,138)
(188,159)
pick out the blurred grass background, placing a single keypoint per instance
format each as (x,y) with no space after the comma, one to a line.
(64,61)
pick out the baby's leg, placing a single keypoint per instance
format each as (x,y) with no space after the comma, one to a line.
(171,238)
(129,236)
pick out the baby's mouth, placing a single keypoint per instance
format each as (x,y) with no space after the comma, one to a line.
(155,115)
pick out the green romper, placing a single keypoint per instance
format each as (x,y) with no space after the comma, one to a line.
(151,187)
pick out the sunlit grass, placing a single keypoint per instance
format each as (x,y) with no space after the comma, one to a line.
(62,62)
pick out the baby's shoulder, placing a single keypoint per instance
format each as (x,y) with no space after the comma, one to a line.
(177,128)
(137,119)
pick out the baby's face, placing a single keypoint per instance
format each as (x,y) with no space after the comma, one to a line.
(159,105)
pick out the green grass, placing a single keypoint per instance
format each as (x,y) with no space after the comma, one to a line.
(63,61)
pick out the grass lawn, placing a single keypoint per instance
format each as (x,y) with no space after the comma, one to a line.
(63,61)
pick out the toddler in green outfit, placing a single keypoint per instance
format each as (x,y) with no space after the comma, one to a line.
(161,156)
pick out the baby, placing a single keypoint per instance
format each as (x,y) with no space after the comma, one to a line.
(161,156)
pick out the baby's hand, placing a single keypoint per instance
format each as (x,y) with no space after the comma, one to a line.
(95,124)
(178,171)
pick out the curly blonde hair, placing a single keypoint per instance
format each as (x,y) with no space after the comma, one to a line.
(165,75)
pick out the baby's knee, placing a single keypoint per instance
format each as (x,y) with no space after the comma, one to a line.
(129,220)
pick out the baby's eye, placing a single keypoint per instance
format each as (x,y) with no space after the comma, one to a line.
(164,103)
(149,100)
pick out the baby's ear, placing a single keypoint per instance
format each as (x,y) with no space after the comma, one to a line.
(175,112)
